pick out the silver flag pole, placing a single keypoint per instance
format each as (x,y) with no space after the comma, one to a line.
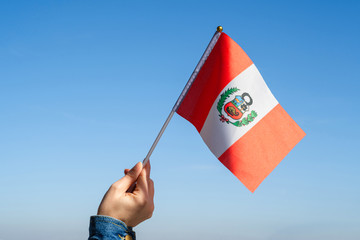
(186,89)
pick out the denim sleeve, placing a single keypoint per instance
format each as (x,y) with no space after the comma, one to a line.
(108,228)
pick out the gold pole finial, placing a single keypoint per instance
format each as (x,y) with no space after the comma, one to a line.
(219,28)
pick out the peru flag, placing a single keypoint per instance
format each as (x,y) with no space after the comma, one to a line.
(237,116)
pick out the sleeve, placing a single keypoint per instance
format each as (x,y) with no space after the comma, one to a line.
(108,228)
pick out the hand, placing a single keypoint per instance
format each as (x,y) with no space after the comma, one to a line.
(130,207)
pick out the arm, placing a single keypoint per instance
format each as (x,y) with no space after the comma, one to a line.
(120,211)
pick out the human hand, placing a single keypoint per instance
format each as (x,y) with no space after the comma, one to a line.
(130,207)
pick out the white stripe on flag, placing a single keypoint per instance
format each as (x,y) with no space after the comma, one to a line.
(219,136)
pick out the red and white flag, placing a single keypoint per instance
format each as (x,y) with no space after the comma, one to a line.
(237,116)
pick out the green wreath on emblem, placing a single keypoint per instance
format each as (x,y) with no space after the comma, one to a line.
(242,122)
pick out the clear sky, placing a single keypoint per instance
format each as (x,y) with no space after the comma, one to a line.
(85,86)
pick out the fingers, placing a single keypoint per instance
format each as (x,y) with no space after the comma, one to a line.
(149,181)
(130,177)
(147,166)
(151,188)
(147,169)
(144,182)
(139,174)
(141,184)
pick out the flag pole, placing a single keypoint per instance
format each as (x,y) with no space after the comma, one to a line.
(186,89)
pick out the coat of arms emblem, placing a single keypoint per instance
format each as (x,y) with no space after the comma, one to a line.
(237,109)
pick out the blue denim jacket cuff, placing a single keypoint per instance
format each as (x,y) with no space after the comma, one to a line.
(104,227)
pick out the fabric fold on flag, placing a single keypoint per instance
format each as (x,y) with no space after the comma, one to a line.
(237,116)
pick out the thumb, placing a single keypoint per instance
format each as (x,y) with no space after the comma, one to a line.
(131,176)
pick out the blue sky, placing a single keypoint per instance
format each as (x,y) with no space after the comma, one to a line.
(85,86)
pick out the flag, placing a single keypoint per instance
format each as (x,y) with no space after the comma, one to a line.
(237,116)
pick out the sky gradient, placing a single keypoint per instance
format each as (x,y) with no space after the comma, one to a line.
(85,86)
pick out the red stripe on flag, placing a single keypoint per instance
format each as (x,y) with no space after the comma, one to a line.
(225,62)
(261,149)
